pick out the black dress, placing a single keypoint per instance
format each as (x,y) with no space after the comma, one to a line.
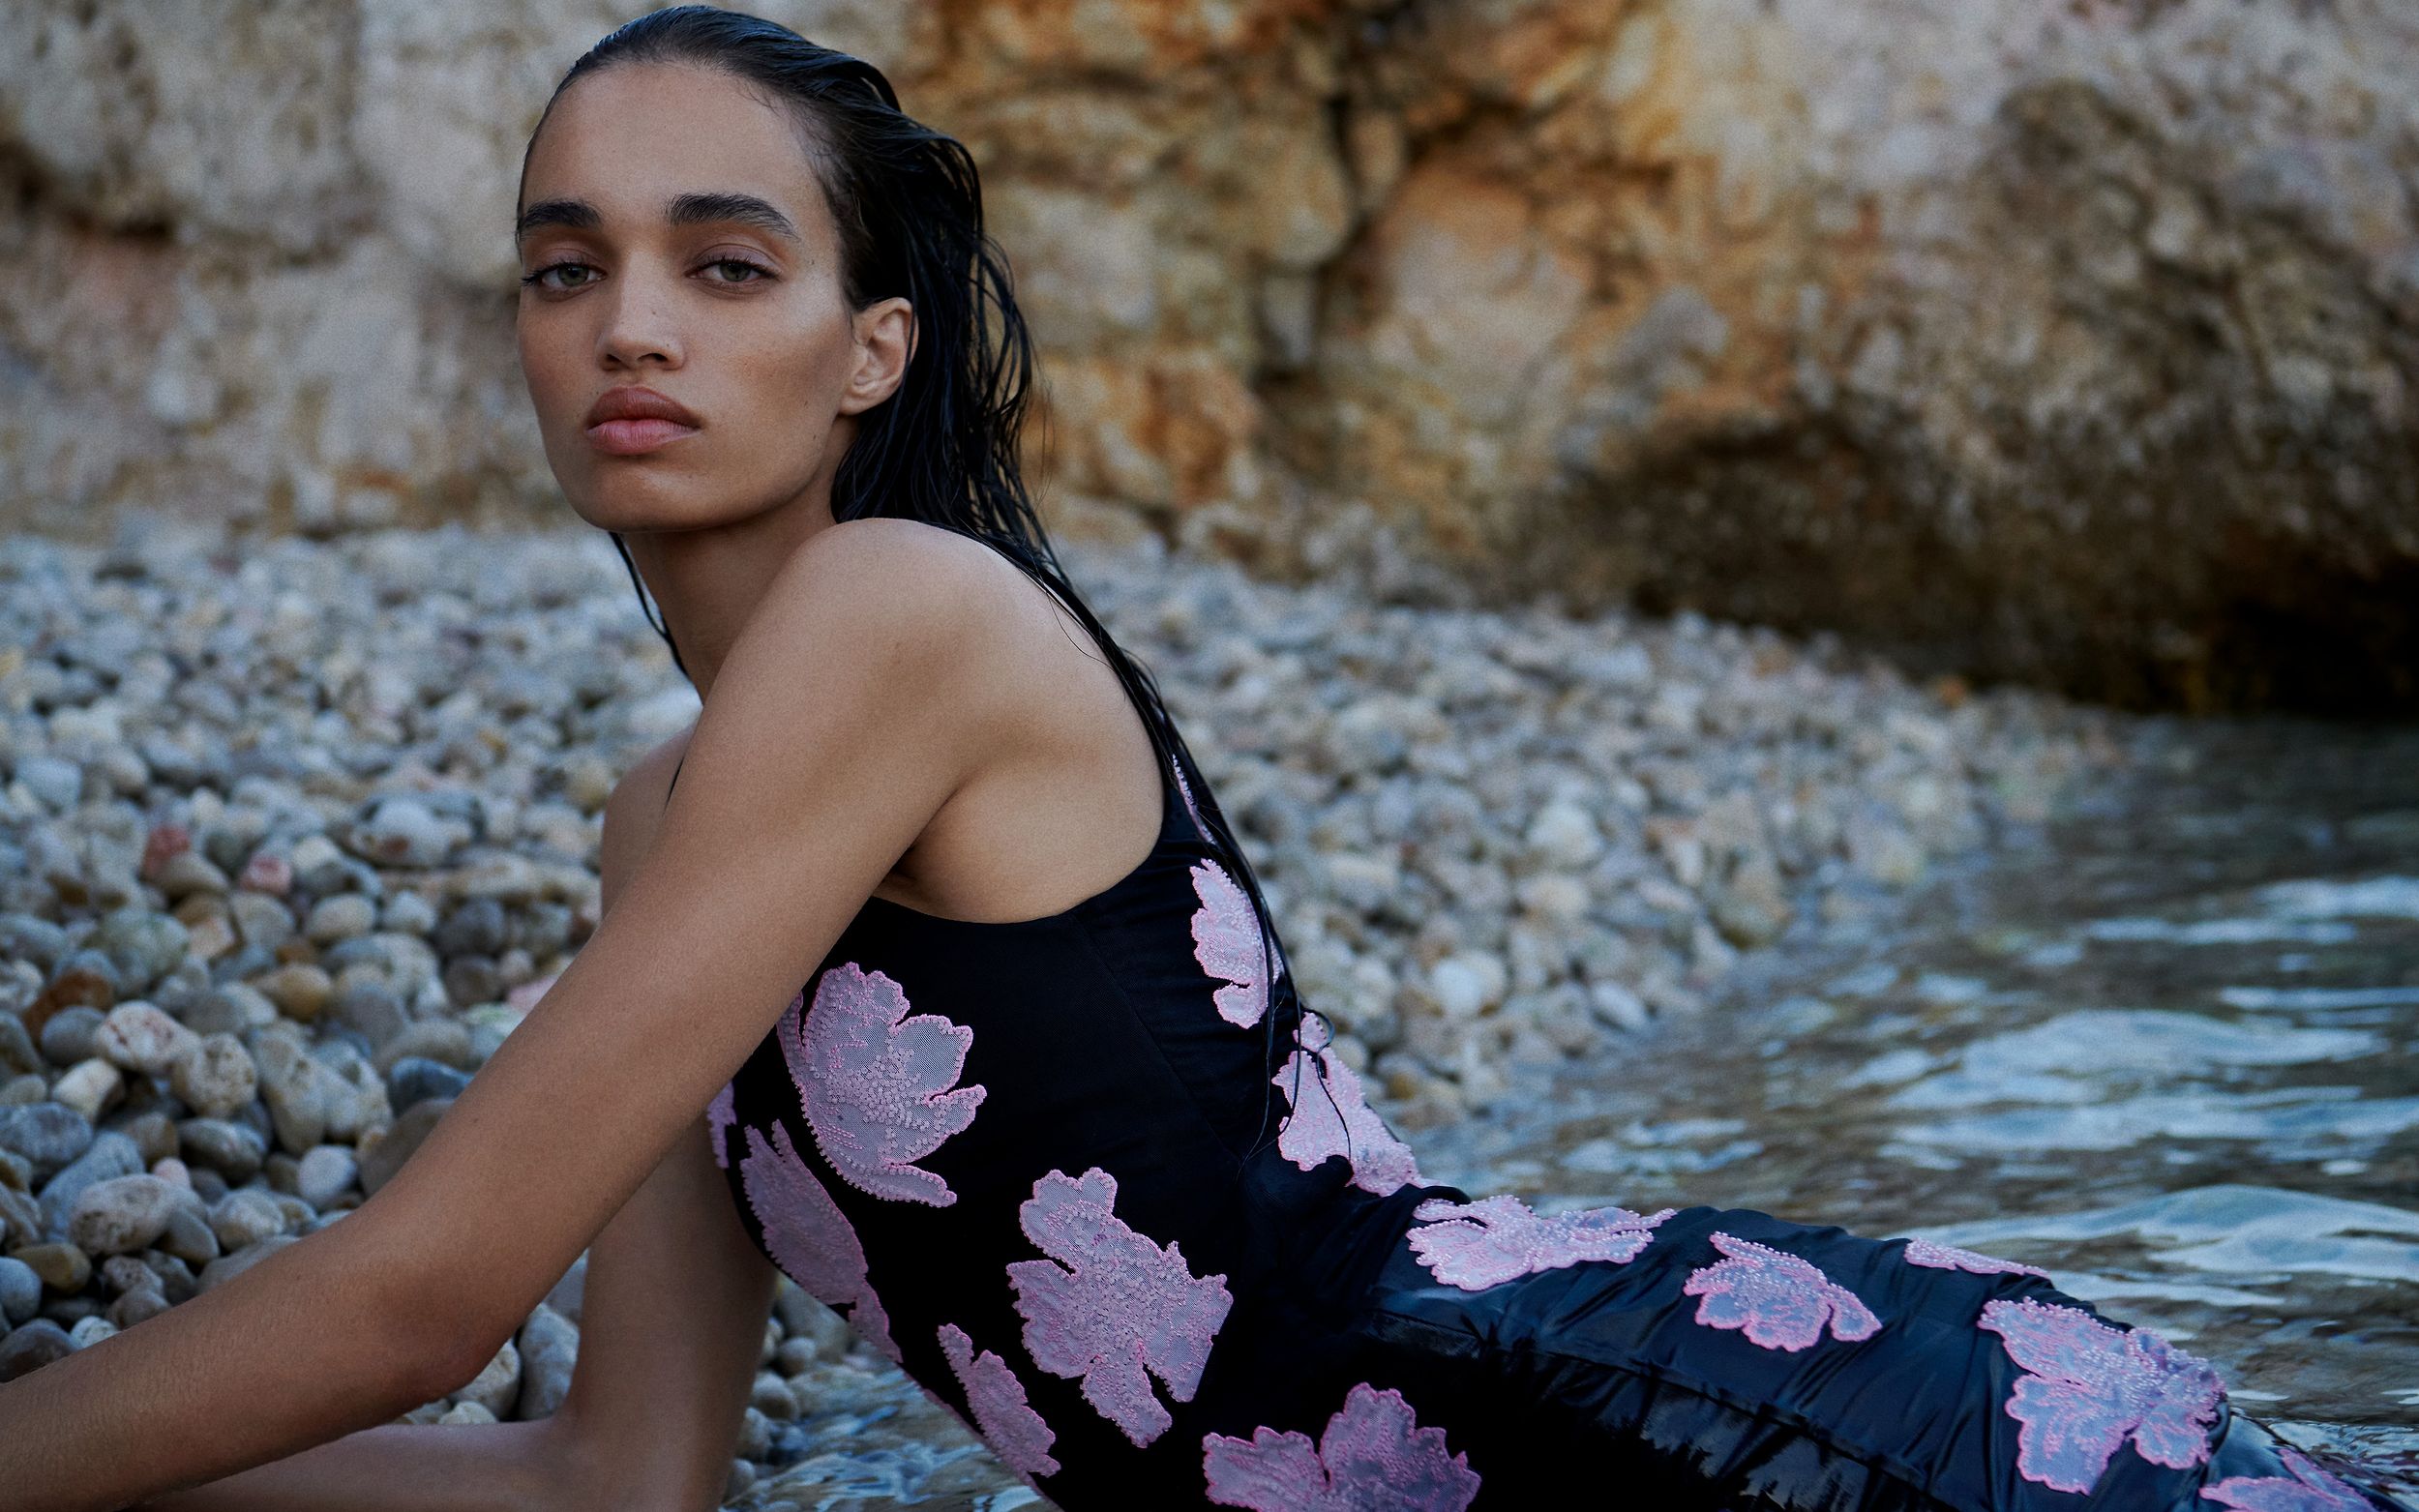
(1026,1160)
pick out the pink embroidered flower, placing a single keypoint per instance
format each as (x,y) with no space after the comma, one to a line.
(1782,1302)
(1120,1304)
(808,1236)
(720,1115)
(1226,943)
(1943,1257)
(1003,1416)
(1337,1121)
(1473,1245)
(1373,1454)
(876,1083)
(2309,1489)
(2089,1387)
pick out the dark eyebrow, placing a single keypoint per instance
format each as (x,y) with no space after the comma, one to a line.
(690,209)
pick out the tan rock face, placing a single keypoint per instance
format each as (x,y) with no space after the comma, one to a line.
(2074,343)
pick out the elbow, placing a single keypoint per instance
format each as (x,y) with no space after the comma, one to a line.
(445,1346)
(439,1338)
(424,1369)
(437,1329)
(435,1373)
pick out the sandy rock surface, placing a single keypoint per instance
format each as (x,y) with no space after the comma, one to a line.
(2075,342)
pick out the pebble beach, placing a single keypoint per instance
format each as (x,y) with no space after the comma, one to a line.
(294,832)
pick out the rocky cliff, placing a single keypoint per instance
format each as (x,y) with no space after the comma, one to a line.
(2072,342)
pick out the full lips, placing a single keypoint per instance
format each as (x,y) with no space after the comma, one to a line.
(629,437)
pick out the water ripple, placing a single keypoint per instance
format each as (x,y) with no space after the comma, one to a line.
(2246,1230)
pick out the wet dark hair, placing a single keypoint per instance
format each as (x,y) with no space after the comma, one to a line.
(943,448)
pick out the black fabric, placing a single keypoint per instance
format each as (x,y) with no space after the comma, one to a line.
(1097,1042)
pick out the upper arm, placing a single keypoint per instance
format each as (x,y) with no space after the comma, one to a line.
(842,719)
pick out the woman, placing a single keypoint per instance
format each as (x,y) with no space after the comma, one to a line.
(1047,1122)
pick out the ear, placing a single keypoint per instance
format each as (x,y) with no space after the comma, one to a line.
(886,339)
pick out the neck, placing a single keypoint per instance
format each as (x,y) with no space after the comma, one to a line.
(707,581)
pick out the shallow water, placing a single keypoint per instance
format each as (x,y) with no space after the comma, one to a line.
(2162,1047)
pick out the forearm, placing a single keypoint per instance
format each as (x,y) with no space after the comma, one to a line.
(397,1468)
(303,1348)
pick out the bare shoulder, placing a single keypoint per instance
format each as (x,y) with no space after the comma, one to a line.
(972,585)
(916,567)
(940,614)
(957,625)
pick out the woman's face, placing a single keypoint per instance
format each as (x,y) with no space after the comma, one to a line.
(673,237)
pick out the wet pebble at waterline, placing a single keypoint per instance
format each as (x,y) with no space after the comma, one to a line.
(292,837)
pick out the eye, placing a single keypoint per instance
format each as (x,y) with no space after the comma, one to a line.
(739,262)
(536,279)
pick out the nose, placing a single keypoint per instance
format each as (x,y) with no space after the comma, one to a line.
(640,324)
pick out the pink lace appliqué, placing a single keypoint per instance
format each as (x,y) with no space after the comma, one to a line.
(876,1083)
(2089,1387)
(1945,1257)
(1113,1304)
(808,1236)
(1373,1454)
(1475,1245)
(1339,1121)
(1007,1421)
(1781,1301)
(720,1115)
(1226,943)
(2309,1489)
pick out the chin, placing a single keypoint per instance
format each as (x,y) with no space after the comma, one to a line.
(612,494)
(636,511)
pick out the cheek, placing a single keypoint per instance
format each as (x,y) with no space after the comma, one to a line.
(807,360)
(787,380)
(541,366)
(542,374)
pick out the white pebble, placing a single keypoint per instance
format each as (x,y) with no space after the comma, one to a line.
(244,1217)
(139,1037)
(120,1215)
(1563,834)
(1466,984)
(88,1086)
(215,1078)
(1618,1006)
(324,1175)
(89,1331)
